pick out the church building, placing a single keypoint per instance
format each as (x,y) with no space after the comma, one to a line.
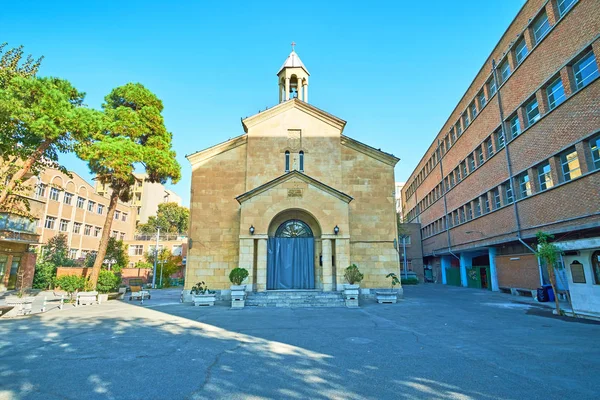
(293,200)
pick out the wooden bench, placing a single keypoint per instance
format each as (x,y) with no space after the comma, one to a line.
(22,305)
(138,293)
(86,298)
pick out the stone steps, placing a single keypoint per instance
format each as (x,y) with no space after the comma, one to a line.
(295,299)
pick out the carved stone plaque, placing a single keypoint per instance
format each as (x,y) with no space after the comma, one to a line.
(294,192)
(294,139)
(577,272)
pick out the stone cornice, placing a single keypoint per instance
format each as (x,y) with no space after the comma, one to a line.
(382,156)
(287,176)
(216,149)
(294,103)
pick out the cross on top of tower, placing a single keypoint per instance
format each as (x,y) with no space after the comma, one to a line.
(293,45)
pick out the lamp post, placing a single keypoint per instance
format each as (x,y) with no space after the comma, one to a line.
(155,258)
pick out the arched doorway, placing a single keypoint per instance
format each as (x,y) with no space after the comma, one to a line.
(290,257)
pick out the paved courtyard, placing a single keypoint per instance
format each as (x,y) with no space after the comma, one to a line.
(440,342)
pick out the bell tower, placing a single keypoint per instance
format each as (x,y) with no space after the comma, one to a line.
(293,78)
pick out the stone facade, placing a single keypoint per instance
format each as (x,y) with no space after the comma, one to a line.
(293,162)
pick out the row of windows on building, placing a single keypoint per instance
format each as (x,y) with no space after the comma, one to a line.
(300,161)
(539,28)
(78,228)
(138,249)
(80,203)
(534,180)
(584,70)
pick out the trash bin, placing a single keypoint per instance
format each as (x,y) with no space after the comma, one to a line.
(542,294)
(550,292)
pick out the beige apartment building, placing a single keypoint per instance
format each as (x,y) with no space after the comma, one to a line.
(146,197)
(141,245)
(72,207)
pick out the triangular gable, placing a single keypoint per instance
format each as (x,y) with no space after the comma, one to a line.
(290,175)
(377,154)
(324,116)
(217,149)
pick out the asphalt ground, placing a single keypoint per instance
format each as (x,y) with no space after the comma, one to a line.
(439,342)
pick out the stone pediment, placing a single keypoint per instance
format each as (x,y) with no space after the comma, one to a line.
(324,116)
(294,176)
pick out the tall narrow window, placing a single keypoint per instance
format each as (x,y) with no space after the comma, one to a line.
(491,87)
(481,98)
(508,193)
(499,140)
(570,164)
(515,126)
(489,145)
(504,70)
(496,195)
(532,111)
(524,185)
(541,26)
(301,156)
(545,176)
(556,93)
(486,203)
(564,6)
(595,149)
(585,70)
(520,50)
(287,161)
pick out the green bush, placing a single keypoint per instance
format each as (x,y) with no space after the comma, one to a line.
(70,283)
(353,274)
(237,275)
(45,271)
(108,282)
(410,281)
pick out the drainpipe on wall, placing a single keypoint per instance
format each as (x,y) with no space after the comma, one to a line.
(509,166)
(445,203)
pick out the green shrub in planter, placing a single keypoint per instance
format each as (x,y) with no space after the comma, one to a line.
(237,275)
(45,271)
(353,275)
(409,281)
(70,283)
(108,282)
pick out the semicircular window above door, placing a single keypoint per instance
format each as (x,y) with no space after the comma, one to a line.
(294,228)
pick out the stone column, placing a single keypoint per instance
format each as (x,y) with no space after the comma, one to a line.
(247,260)
(445,264)
(493,273)
(342,260)
(287,89)
(280,86)
(464,260)
(327,265)
(306,91)
(299,89)
(261,265)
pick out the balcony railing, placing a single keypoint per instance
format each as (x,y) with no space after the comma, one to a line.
(162,238)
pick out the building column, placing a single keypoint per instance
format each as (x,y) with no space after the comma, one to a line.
(342,261)
(327,265)
(247,260)
(280,86)
(261,265)
(464,260)
(299,89)
(493,272)
(445,264)
(306,91)
(287,89)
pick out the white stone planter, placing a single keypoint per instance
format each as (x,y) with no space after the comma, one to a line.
(207,299)
(386,296)
(351,293)
(102,298)
(238,296)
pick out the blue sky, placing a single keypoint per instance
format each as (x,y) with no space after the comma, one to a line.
(394,70)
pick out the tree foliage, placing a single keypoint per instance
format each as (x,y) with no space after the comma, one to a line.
(56,251)
(133,136)
(170,218)
(169,263)
(12,64)
(117,256)
(44,275)
(39,118)
(549,253)
(108,281)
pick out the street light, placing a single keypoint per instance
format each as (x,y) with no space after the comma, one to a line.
(155,258)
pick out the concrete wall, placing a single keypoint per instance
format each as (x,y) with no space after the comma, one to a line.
(585,296)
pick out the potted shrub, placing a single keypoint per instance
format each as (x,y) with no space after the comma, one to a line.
(70,284)
(107,283)
(351,289)
(389,296)
(238,291)
(201,296)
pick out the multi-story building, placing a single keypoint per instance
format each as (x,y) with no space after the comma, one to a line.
(72,207)
(145,198)
(141,245)
(18,232)
(399,186)
(519,154)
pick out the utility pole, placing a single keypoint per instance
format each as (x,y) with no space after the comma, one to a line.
(155,258)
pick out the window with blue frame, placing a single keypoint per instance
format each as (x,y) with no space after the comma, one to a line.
(556,93)
(540,27)
(585,70)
